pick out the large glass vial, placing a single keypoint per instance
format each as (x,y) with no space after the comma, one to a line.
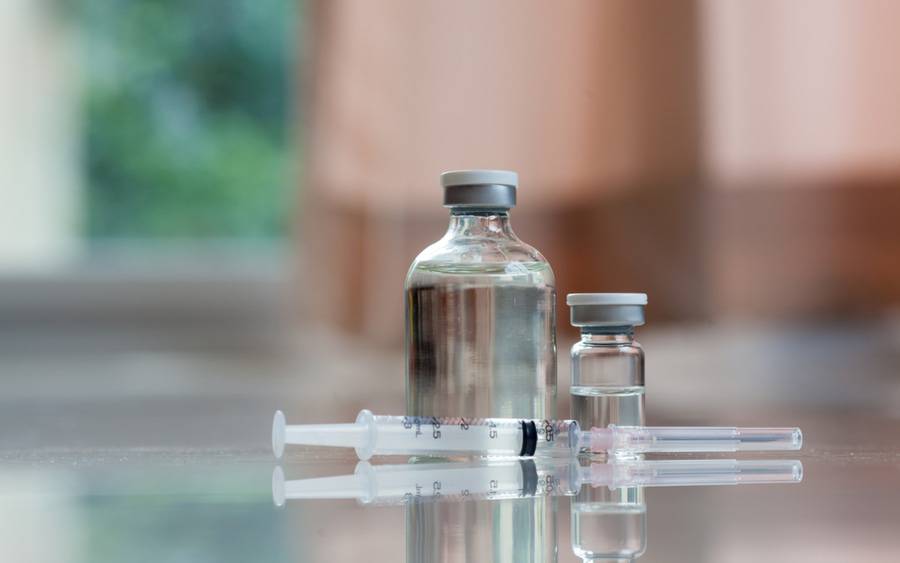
(480,311)
(481,342)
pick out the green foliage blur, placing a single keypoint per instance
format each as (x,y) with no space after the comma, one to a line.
(187,112)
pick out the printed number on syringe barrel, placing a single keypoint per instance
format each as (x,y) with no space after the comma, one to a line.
(502,437)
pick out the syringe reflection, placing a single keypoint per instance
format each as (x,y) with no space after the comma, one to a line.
(523,478)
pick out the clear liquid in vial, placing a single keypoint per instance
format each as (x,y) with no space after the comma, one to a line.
(600,406)
(480,341)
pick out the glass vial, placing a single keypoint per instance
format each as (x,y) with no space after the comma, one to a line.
(607,363)
(481,341)
(608,388)
(480,311)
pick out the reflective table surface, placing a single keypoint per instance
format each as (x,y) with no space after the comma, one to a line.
(161,456)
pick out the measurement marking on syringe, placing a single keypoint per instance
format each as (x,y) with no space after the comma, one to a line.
(415,423)
(548,431)
(435,428)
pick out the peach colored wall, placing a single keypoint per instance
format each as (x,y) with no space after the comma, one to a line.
(801,91)
(559,92)
(629,122)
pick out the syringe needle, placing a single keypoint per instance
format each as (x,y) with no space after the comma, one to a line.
(649,439)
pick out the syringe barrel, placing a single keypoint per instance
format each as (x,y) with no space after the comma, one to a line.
(700,439)
(490,437)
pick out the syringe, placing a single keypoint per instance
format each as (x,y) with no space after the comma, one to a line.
(510,437)
(505,479)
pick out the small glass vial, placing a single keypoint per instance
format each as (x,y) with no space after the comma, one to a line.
(607,363)
(608,388)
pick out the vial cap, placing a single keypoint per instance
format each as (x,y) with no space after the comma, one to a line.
(480,189)
(606,309)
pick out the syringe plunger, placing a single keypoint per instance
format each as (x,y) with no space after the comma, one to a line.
(338,435)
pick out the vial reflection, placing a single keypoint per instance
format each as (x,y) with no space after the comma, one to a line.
(609,524)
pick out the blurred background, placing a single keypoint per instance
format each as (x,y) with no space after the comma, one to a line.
(209,208)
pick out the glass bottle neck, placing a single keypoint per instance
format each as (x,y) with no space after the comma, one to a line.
(607,335)
(487,223)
